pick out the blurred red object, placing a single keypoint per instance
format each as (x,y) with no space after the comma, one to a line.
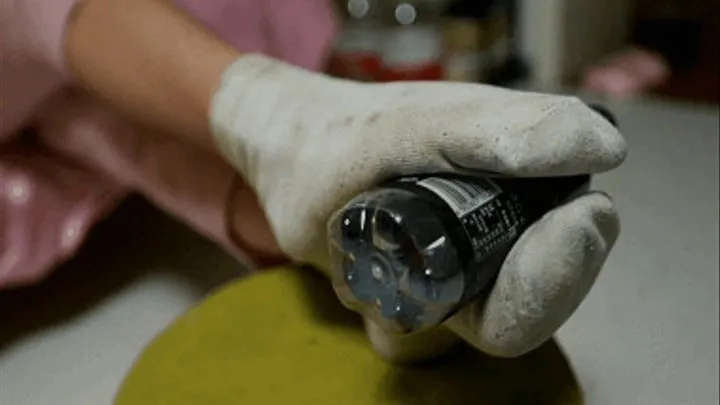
(362,65)
(356,54)
(390,40)
(430,71)
(412,43)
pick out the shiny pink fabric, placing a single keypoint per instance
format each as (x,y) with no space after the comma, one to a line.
(86,158)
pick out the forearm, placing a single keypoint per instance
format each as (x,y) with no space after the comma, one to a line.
(190,183)
(150,61)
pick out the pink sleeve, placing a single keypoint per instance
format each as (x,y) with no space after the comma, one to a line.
(188,182)
(48,202)
(47,207)
(31,56)
(37,27)
(301,31)
(298,31)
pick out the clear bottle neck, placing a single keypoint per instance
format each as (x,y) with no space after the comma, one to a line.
(363,12)
(414,12)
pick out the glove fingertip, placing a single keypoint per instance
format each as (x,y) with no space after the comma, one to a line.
(544,279)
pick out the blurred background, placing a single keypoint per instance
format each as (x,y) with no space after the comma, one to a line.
(620,48)
(73,338)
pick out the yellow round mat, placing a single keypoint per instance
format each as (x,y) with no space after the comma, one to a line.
(282,337)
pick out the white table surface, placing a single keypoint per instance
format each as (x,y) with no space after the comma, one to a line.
(646,335)
(648,332)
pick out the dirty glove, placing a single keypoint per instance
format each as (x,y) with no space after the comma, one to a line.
(308,144)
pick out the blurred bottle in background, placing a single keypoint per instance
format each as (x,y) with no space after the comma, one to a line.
(501,49)
(357,49)
(412,44)
(480,41)
(458,40)
(468,41)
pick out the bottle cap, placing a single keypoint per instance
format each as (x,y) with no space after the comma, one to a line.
(393,261)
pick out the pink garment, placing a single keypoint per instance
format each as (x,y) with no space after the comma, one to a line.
(86,158)
(627,73)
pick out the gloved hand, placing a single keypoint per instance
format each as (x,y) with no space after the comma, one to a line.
(309,143)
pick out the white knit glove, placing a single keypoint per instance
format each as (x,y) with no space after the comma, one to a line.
(308,144)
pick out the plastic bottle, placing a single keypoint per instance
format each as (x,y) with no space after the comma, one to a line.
(412,44)
(501,34)
(411,252)
(468,40)
(357,51)
(414,250)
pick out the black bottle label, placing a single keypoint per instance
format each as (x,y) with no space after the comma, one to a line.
(490,217)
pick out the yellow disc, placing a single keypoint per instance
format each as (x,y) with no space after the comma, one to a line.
(283,338)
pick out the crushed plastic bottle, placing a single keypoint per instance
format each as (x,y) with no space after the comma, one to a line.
(415,250)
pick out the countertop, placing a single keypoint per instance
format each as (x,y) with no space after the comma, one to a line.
(647,334)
